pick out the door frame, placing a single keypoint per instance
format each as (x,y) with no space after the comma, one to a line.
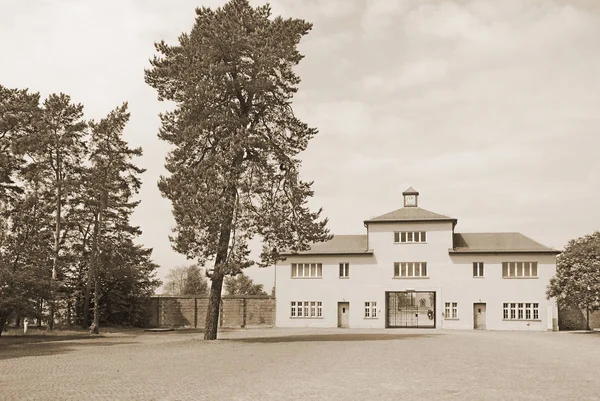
(339,314)
(475,315)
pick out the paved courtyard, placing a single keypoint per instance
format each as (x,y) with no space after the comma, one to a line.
(302,364)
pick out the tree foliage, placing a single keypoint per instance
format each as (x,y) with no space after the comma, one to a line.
(234,169)
(577,279)
(58,174)
(242,285)
(186,280)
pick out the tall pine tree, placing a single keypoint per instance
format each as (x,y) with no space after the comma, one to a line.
(234,170)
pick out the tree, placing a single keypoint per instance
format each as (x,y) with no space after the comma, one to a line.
(234,170)
(242,285)
(186,280)
(195,282)
(57,150)
(112,180)
(577,279)
(24,258)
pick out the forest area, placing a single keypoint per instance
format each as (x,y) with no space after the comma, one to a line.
(68,251)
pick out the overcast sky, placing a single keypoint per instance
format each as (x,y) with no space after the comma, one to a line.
(490,109)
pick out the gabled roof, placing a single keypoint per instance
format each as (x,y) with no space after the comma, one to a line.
(338,245)
(410,214)
(410,191)
(497,243)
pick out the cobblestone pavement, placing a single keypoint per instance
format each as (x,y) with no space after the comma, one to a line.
(306,364)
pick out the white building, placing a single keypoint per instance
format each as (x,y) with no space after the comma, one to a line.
(412,269)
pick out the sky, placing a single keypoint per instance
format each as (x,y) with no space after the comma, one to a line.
(489,109)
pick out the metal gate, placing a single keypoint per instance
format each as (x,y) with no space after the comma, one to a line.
(410,309)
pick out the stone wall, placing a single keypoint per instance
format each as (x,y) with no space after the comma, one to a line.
(190,311)
(572,318)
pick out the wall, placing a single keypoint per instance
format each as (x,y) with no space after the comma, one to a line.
(451,277)
(572,318)
(189,311)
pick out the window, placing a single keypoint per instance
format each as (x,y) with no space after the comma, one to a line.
(307,270)
(519,269)
(451,310)
(370,310)
(520,311)
(410,236)
(344,270)
(307,309)
(410,269)
(477,269)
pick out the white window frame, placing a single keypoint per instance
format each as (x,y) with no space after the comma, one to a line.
(344,270)
(521,311)
(306,270)
(371,310)
(478,269)
(520,270)
(410,237)
(451,311)
(411,270)
(306,309)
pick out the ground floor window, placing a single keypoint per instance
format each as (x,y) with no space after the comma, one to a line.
(451,310)
(370,310)
(307,309)
(521,311)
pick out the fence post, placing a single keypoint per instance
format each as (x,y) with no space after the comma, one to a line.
(221,313)
(195,312)
(244,312)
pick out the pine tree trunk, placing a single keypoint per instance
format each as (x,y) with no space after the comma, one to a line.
(95,328)
(96,251)
(88,286)
(587,319)
(214,300)
(3,319)
(56,242)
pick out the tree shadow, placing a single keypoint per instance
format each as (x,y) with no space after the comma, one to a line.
(52,346)
(329,337)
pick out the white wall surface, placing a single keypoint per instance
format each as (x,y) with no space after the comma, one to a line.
(451,277)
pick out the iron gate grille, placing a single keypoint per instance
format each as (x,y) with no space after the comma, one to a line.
(410,309)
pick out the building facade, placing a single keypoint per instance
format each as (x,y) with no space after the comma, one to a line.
(412,270)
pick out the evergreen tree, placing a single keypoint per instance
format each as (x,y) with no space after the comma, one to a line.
(111,182)
(57,150)
(195,282)
(242,285)
(577,279)
(234,171)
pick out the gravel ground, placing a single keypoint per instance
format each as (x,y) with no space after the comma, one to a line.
(306,364)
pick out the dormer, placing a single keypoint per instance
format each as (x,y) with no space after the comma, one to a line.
(411,197)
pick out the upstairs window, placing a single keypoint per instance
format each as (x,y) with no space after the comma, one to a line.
(410,269)
(344,270)
(477,269)
(307,270)
(519,269)
(408,237)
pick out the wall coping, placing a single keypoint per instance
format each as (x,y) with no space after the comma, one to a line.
(162,296)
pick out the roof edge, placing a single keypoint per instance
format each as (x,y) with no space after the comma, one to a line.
(411,220)
(496,251)
(365,252)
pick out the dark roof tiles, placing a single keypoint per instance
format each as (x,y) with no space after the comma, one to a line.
(497,242)
(410,214)
(339,244)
